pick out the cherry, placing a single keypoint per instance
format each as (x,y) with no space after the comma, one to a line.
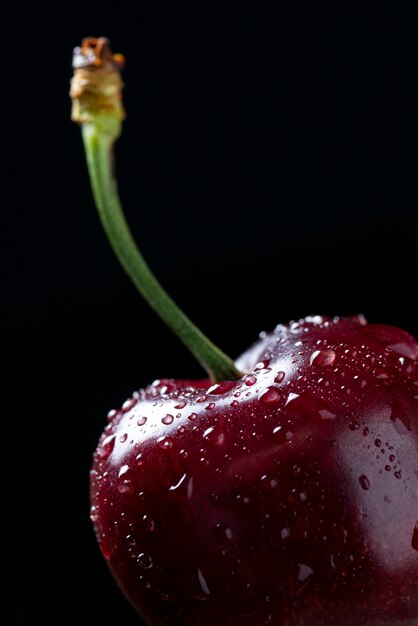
(281,490)
(287,497)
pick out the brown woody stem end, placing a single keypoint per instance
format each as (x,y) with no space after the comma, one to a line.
(96,85)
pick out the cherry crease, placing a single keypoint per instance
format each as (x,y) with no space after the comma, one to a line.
(287,498)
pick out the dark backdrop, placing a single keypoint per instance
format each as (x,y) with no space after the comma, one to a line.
(268,168)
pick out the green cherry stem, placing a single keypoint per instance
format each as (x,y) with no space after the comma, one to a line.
(97,107)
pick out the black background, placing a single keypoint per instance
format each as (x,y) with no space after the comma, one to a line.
(269,170)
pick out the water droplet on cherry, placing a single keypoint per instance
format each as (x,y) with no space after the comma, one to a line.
(124,481)
(214,435)
(148,523)
(270,396)
(261,365)
(106,447)
(281,435)
(111,416)
(144,561)
(165,443)
(323,358)
(279,377)
(167,419)
(93,514)
(222,532)
(364,482)
(128,405)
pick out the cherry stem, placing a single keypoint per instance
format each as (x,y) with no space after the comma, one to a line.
(95,90)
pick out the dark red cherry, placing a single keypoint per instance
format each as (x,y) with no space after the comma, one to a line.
(287,498)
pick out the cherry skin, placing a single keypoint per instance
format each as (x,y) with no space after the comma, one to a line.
(287,498)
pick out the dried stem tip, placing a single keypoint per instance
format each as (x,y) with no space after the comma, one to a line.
(96,85)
